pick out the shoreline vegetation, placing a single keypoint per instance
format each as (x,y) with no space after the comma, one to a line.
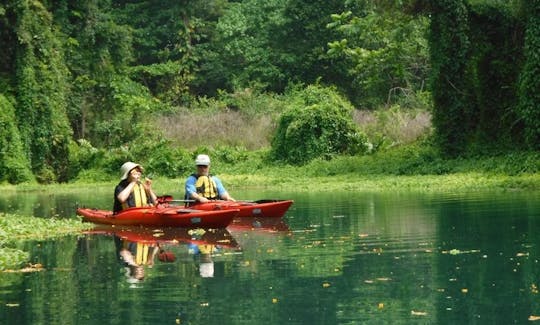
(17,228)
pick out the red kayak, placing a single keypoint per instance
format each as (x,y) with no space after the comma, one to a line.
(260,208)
(161,217)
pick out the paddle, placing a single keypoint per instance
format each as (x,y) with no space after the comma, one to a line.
(169,198)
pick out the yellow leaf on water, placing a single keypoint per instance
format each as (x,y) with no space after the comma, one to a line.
(326,285)
(418,313)
(534,318)
(274,300)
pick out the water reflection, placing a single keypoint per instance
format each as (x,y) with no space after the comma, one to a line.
(138,248)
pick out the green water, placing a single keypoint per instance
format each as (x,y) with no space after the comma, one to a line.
(337,258)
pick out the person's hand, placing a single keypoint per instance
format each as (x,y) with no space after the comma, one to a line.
(202,199)
(148,184)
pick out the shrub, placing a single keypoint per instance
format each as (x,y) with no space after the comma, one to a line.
(317,123)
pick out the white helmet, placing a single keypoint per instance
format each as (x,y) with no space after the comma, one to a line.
(127,167)
(202,160)
(206,270)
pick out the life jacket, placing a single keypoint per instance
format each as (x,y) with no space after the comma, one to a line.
(142,253)
(206,187)
(138,197)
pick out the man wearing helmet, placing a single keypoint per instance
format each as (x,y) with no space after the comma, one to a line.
(202,186)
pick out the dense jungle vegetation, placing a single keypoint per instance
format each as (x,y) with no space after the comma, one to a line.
(86,85)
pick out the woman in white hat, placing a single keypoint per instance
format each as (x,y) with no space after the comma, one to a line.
(202,186)
(131,192)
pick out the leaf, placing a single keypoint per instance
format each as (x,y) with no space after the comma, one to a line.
(418,313)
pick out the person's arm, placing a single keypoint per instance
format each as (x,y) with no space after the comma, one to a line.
(222,192)
(127,257)
(124,194)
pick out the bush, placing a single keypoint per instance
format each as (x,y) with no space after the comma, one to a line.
(317,124)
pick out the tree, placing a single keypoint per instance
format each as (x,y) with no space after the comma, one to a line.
(384,53)
(449,53)
(14,164)
(529,84)
(41,82)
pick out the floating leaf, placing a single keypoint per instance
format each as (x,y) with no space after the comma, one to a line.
(418,313)
(534,318)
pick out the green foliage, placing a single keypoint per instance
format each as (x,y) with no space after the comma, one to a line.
(496,62)
(42,92)
(529,84)
(238,56)
(159,158)
(317,123)
(450,51)
(14,165)
(16,227)
(385,54)
(423,158)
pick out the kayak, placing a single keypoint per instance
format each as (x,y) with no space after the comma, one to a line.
(260,208)
(168,235)
(161,217)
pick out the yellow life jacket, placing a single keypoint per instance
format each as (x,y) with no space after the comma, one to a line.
(206,249)
(206,187)
(139,194)
(143,252)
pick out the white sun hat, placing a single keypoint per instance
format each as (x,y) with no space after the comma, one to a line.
(202,160)
(127,167)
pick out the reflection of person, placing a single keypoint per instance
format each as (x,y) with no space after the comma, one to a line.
(136,255)
(131,192)
(202,186)
(206,264)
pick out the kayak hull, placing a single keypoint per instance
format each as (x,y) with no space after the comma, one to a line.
(260,208)
(160,217)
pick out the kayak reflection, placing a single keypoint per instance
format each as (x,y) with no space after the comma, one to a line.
(258,224)
(138,247)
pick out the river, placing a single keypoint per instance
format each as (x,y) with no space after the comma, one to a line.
(335,258)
